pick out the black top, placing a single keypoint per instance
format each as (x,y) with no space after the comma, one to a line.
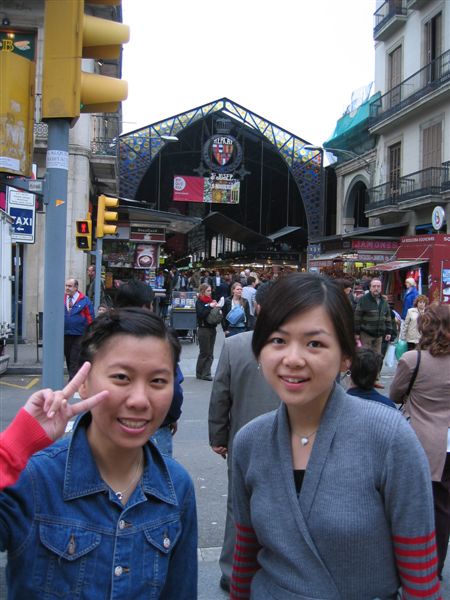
(299,475)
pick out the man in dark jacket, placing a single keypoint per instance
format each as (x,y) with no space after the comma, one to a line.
(78,313)
(373,319)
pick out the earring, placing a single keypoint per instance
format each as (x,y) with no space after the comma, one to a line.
(259,366)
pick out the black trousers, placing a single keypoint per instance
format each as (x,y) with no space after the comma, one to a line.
(441,495)
(206,339)
(72,345)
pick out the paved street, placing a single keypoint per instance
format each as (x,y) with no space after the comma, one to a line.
(191,448)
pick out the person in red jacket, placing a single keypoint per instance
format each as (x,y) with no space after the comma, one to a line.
(39,423)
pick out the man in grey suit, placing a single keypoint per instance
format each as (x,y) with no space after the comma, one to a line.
(239,394)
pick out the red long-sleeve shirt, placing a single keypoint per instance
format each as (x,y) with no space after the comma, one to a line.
(18,442)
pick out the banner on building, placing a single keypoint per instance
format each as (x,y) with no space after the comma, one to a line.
(218,188)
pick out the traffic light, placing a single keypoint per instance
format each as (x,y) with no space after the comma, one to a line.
(84,234)
(103,215)
(17,76)
(69,36)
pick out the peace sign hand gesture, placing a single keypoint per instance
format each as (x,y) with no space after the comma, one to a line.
(52,410)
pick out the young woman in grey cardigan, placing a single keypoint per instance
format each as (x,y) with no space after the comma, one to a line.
(332,494)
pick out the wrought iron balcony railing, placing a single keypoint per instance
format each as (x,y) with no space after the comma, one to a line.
(101,146)
(387,11)
(432,181)
(428,79)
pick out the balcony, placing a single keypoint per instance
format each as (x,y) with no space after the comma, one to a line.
(389,18)
(415,189)
(434,77)
(416,4)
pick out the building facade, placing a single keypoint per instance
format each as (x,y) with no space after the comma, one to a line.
(92,158)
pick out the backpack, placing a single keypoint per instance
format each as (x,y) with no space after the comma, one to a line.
(214,317)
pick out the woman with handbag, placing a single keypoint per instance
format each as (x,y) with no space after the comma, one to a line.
(206,331)
(428,407)
(410,332)
(236,312)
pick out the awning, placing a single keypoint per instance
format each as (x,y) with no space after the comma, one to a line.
(290,234)
(221,224)
(394,265)
(327,256)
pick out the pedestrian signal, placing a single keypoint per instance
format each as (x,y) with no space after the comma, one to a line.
(83,234)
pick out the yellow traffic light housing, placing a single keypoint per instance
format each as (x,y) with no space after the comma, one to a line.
(17,75)
(103,215)
(70,35)
(83,233)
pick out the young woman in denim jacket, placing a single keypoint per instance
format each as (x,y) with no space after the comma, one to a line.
(101,514)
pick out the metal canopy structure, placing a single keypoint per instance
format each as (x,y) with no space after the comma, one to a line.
(139,148)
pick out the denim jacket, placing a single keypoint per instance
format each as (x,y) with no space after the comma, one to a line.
(68,536)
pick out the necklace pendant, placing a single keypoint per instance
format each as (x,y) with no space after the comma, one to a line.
(304,441)
(119,495)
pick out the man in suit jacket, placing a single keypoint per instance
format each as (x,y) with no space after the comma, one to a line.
(239,394)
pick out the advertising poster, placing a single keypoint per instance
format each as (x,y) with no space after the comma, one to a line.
(446,286)
(217,189)
(145,256)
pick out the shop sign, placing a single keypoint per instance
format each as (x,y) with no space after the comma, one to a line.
(147,232)
(438,217)
(313,250)
(374,245)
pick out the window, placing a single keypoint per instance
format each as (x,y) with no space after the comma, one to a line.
(395,167)
(395,75)
(433,47)
(431,155)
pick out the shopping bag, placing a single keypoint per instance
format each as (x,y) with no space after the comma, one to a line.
(390,358)
(400,348)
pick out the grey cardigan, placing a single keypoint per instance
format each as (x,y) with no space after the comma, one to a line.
(367,481)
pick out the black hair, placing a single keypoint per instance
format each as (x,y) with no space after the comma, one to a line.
(297,293)
(262,290)
(365,367)
(134,293)
(139,322)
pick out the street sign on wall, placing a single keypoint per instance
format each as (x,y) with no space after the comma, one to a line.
(21,207)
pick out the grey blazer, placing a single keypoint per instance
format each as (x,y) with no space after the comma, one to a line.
(429,403)
(239,392)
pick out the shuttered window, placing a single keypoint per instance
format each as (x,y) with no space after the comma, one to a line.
(395,167)
(433,46)
(395,75)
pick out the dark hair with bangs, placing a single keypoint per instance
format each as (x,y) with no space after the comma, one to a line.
(434,326)
(139,322)
(297,293)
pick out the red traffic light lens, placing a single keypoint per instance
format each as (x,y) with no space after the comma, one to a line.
(82,227)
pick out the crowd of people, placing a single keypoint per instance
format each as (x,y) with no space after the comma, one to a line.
(333,494)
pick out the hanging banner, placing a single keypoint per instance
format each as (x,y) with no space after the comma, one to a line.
(218,189)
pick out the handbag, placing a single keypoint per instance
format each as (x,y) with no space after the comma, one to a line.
(411,381)
(400,348)
(390,359)
(236,316)
(214,316)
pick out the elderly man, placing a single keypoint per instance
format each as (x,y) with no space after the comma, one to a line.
(90,288)
(373,319)
(78,313)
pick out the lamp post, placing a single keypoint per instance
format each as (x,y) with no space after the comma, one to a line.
(168,139)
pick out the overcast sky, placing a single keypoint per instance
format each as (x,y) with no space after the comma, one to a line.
(294,62)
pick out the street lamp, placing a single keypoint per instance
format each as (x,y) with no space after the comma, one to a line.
(368,166)
(168,139)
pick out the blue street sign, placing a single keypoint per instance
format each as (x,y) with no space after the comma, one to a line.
(21,207)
